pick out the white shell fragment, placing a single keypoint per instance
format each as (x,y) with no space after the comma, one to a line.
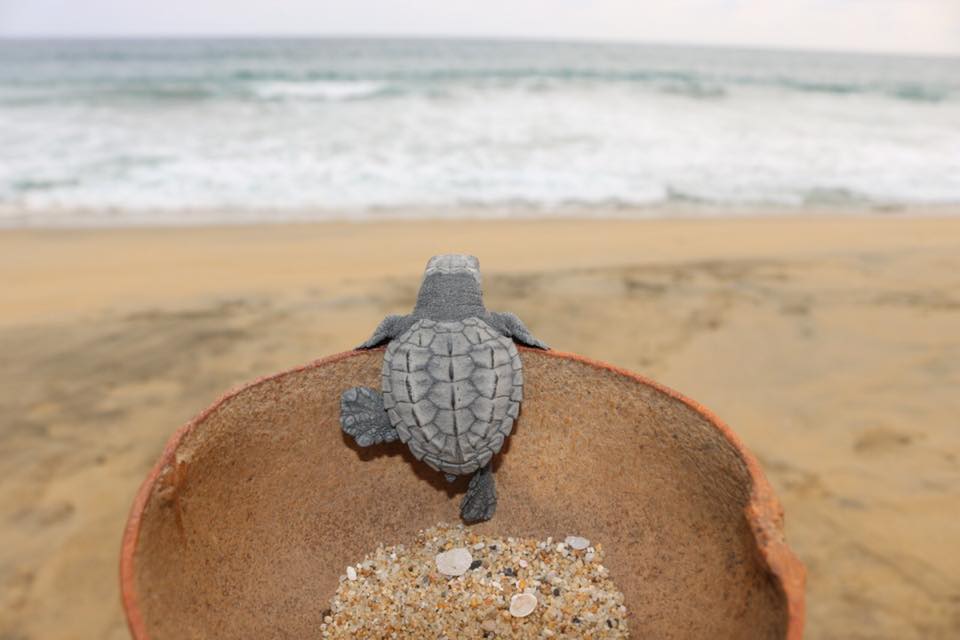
(577,542)
(454,562)
(351,573)
(522,605)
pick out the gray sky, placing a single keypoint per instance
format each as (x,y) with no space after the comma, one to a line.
(913,26)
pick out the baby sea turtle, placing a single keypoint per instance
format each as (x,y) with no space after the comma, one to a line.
(452,381)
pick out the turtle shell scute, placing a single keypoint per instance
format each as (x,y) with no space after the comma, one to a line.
(453,391)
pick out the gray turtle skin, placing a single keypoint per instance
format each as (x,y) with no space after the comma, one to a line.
(452,381)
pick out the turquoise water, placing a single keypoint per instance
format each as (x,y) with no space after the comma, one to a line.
(172,130)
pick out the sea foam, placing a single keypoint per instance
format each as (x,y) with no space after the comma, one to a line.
(271,129)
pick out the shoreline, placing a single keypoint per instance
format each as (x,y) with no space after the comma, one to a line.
(19,219)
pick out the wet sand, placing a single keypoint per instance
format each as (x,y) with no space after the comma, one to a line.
(831,345)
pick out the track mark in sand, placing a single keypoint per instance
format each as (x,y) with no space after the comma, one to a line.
(881,439)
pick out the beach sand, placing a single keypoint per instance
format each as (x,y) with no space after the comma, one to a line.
(831,345)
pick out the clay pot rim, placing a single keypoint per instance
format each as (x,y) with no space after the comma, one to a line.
(763,511)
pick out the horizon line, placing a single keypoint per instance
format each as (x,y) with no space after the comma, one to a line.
(476,38)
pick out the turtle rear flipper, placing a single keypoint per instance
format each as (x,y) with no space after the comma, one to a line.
(363,417)
(481,500)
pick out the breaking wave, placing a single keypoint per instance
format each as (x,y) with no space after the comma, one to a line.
(352,125)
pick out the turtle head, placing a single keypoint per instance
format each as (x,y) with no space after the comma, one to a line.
(450,289)
(453,263)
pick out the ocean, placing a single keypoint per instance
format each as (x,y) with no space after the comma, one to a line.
(225,130)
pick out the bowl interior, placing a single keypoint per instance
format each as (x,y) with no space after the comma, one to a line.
(260,504)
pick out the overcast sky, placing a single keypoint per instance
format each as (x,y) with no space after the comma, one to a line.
(913,26)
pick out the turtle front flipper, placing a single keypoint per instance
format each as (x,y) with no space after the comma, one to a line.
(363,417)
(388,329)
(510,325)
(480,503)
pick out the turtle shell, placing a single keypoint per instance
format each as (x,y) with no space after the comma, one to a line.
(452,391)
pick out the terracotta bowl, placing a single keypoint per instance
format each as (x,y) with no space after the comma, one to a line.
(257,506)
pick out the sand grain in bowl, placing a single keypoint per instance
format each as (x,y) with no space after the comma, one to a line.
(513,588)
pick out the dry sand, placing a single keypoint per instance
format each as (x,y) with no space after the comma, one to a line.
(831,345)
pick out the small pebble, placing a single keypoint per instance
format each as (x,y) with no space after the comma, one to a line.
(522,605)
(577,542)
(351,573)
(523,563)
(454,562)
